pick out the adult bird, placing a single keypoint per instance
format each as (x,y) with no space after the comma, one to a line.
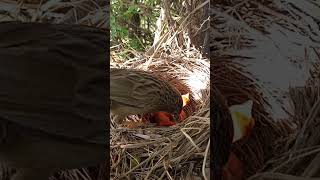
(53,99)
(221,132)
(139,92)
(230,124)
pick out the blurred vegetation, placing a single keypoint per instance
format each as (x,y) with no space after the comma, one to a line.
(133,23)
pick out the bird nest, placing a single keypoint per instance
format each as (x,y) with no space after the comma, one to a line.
(272,150)
(86,12)
(299,153)
(237,86)
(177,151)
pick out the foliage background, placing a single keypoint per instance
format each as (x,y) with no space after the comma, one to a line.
(132,23)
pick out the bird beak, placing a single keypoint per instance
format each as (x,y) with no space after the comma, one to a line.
(185,99)
(243,122)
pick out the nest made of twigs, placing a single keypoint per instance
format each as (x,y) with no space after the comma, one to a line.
(177,151)
(299,153)
(180,151)
(86,12)
(237,86)
(238,28)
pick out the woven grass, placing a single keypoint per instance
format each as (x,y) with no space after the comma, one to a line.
(300,151)
(237,86)
(85,12)
(170,152)
(180,151)
(240,32)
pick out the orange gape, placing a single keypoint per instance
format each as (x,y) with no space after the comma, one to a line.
(163,119)
(166,119)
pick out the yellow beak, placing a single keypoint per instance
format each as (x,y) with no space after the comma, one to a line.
(242,119)
(185,99)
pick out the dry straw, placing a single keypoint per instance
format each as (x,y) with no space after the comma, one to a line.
(275,150)
(86,12)
(181,152)
(299,154)
(176,152)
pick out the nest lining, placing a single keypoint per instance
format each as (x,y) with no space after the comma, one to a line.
(298,155)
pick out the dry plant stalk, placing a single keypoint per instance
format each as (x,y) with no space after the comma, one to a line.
(236,28)
(300,151)
(155,152)
(238,86)
(175,152)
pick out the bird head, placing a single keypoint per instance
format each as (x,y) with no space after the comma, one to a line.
(175,107)
(175,111)
(181,102)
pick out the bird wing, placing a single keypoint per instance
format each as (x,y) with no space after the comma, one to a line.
(129,90)
(53,78)
(222,132)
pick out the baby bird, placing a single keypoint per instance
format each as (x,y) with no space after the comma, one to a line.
(139,92)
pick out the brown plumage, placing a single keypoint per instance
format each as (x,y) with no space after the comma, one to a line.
(139,92)
(52,98)
(221,133)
